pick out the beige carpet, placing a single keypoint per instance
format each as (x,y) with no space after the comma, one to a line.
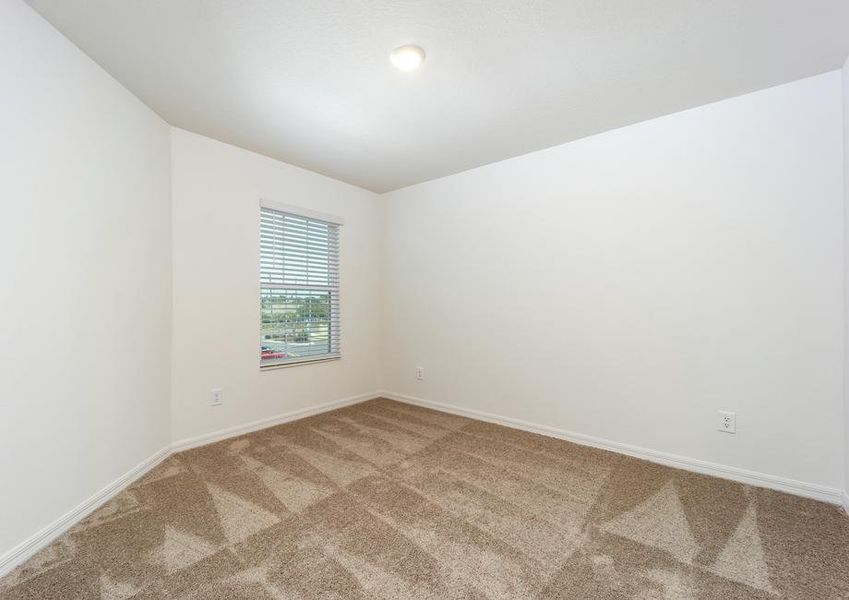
(385,500)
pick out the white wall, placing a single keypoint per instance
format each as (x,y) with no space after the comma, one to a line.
(85,261)
(216,193)
(846,281)
(631,284)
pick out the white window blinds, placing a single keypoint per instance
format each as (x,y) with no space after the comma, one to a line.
(299,288)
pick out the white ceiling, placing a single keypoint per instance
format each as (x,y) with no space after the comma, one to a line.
(309,81)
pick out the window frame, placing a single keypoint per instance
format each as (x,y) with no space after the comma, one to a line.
(312,215)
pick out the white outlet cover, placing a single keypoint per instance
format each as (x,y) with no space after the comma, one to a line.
(420,373)
(216,397)
(727,421)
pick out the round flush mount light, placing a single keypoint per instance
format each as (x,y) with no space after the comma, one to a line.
(407,58)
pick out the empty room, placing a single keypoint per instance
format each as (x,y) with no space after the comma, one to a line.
(424,299)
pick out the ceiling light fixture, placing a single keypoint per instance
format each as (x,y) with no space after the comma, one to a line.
(407,58)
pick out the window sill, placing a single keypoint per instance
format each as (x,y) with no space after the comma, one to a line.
(298,363)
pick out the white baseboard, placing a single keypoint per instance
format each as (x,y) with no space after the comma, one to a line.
(846,501)
(791,486)
(34,543)
(223,434)
(23,551)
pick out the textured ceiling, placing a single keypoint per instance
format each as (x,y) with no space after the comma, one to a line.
(310,83)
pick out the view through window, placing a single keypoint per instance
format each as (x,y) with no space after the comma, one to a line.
(299,288)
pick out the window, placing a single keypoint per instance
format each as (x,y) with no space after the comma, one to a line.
(299,286)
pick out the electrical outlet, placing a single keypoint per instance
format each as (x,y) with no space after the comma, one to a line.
(727,421)
(420,373)
(217,397)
